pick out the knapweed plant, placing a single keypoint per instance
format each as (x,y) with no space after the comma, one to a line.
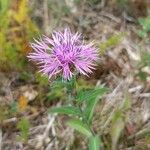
(65,56)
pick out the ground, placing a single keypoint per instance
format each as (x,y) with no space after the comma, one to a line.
(122,117)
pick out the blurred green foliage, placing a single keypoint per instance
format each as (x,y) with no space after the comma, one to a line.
(24,126)
(144,33)
(3,113)
(58,9)
(145,23)
(16,29)
(111,42)
(145,61)
(122,2)
(58,89)
(80,126)
(94,143)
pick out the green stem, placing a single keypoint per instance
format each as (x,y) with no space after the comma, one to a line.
(72,87)
(86,122)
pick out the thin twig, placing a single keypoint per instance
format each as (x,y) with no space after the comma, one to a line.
(108,120)
(51,120)
(14,120)
(7,121)
(139,134)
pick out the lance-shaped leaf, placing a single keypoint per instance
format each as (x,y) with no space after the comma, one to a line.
(90,94)
(67,110)
(89,110)
(80,127)
(94,143)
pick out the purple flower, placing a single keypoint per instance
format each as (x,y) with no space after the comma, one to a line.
(64,53)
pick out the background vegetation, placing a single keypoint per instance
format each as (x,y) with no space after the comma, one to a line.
(121,31)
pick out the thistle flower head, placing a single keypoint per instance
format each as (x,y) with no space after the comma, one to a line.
(64,54)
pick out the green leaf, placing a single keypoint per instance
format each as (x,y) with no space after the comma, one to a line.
(89,110)
(24,125)
(57,90)
(80,127)
(58,83)
(70,85)
(67,110)
(94,143)
(91,97)
(90,94)
(61,83)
